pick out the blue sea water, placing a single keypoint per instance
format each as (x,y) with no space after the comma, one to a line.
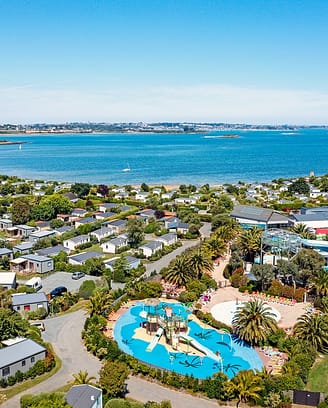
(167,158)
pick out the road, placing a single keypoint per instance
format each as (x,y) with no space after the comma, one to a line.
(156,266)
(64,333)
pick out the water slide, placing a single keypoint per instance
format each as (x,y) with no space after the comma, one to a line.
(209,353)
(155,340)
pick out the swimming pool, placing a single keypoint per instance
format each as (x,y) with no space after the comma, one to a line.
(222,355)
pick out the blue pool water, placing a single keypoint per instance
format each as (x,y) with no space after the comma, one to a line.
(238,357)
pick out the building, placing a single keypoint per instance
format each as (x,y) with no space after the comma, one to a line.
(6,253)
(117,225)
(101,233)
(132,262)
(23,248)
(168,239)
(37,235)
(8,280)
(73,243)
(52,251)
(32,263)
(21,355)
(151,248)
(80,259)
(114,245)
(5,224)
(250,216)
(29,302)
(84,396)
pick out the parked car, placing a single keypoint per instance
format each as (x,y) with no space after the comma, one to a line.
(39,325)
(58,291)
(77,275)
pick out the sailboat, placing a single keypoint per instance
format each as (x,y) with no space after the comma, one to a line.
(20,147)
(127,169)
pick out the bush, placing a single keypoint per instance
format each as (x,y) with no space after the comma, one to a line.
(87,288)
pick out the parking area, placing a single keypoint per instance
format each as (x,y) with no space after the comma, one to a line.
(64,279)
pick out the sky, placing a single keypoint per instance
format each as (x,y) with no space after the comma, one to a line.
(236,61)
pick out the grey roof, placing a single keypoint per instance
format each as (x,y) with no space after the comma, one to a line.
(257,214)
(82,257)
(323,216)
(64,228)
(118,241)
(28,298)
(19,351)
(52,251)
(36,258)
(24,246)
(102,230)
(105,214)
(83,396)
(183,225)
(152,245)
(312,210)
(42,234)
(5,251)
(117,223)
(87,220)
(168,236)
(78,239)
(109,205)
(25,227)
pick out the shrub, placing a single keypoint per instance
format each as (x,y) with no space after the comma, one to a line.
(87,288)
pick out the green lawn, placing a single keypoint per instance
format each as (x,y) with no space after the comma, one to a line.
(318,377)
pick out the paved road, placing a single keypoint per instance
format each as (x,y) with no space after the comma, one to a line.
(144,391)
(205,232)
(64,333)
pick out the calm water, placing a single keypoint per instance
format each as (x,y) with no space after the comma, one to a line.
(167,158)
(238,357)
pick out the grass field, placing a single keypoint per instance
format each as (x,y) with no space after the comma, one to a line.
(318,377)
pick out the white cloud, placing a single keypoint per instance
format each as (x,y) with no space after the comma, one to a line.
(213,103)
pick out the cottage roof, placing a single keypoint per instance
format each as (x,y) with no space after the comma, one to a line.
(7,278)
(24,246)
(257,214)
(19,351)
(52,251)
(83,396)
(84,256)
(28,298)
(152,245)
(36,258)
(79,238)
(5,251)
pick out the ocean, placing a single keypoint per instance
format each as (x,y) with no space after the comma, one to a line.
(167,158)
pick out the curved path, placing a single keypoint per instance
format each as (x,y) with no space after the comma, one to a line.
(64,333)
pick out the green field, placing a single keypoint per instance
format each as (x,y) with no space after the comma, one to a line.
(318,377)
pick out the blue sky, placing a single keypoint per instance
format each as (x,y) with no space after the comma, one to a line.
(254,61)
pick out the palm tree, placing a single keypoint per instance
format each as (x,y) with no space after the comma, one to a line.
(250,242)
(303,231)
(313,329)
(179,271)
(99,302)
(320,282)
(245,386)
(215,246)
(200,261)
(227,232)
(82,377)
(254,321)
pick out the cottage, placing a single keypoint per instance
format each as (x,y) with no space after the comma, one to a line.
(5,224)
(21,355)
(24,248)
(84,221)
(114,245)
(151,248)
(103,232)
(8,280)
(20,231)
(37,235)
(80,259)
(105,207)
(78,212)
(182,228)
(100,216)
(145,215)
(142,196)
(32,264)
(52,251)
(168,239)
(6,253)
(65,228)
(84,396)
(73,243)
(117,225)
(132,262)
(29,302)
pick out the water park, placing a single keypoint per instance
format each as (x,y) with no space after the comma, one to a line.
(167,335)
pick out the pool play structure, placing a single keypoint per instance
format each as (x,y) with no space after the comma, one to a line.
(224,312)
(166,335)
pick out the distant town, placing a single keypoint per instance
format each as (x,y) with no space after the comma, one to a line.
(141,127)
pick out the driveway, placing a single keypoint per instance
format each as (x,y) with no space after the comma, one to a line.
(64,333)
(63,279)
